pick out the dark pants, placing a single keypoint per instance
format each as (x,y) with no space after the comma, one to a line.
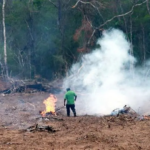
(72,107)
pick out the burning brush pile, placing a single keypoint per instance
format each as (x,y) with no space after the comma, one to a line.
(50,104)
(48,115)
(50,109)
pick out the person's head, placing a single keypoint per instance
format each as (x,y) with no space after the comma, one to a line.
(68,89)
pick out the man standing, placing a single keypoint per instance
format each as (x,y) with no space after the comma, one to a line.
(70,97)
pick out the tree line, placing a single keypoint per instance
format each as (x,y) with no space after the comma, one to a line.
(45,37)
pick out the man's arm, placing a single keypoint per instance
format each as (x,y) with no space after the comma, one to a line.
(64,102)
(75,97)
(65,98)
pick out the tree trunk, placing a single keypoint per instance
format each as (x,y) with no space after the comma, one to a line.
(131,46)
(4,34)
(143,43)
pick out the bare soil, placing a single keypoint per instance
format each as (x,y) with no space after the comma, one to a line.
(21,110)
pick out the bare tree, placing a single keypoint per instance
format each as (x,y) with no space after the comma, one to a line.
(4,35)
(100,27)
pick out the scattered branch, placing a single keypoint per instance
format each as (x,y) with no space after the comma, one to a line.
(147,4)
(53,3)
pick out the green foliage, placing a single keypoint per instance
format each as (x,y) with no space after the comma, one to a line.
(40,33)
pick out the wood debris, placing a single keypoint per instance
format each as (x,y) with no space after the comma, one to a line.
(39,127)
(50,118)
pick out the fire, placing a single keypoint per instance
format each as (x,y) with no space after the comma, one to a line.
(50,105)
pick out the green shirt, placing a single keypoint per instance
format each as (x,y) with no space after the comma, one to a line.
(69,96)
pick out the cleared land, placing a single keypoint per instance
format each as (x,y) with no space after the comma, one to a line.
(19,111)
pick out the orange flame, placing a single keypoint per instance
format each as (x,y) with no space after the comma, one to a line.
(49,104)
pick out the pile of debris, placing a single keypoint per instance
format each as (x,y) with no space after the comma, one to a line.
(43,123)
(27,86)
(38,127)
(44,120)
(49,117)
(127,110)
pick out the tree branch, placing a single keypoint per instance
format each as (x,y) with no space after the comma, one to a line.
(53,3)
(121,15)
(90,3)
(76,4)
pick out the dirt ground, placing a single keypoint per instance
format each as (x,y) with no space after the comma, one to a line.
(20,111)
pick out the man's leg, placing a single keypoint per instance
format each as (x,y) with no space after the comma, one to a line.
(73,109)
(68,110)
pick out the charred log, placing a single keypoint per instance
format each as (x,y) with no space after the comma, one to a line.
(38,127)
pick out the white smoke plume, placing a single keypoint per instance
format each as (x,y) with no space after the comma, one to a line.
(107,78)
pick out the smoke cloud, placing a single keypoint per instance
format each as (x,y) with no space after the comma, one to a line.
(107,78)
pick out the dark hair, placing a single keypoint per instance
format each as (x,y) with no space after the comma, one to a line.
(68,89)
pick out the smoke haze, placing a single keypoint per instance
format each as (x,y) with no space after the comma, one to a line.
(107,78)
